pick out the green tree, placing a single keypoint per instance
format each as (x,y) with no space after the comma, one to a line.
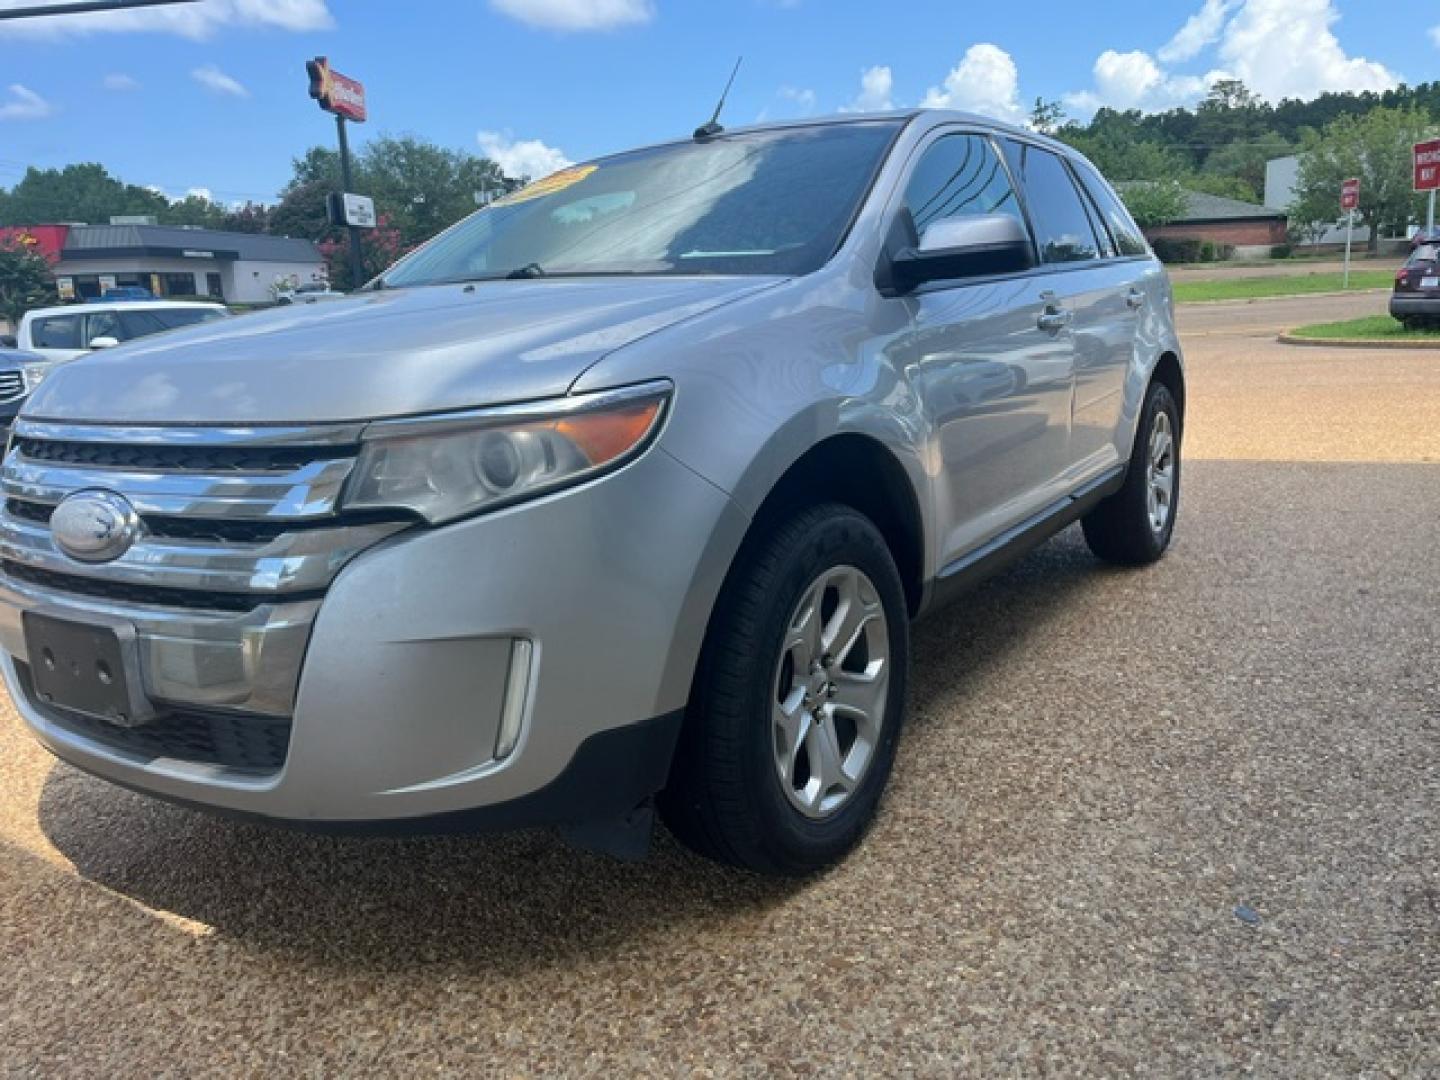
(422,188)
(83,193)
(1047,117)
(25,281)
(194,210)
(1155,203)
(1376,148)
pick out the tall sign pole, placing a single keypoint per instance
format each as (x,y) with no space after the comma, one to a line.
(1427,174)
(345,98)
(1349,201)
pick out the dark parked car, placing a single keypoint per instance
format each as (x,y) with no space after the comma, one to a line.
(1416,299)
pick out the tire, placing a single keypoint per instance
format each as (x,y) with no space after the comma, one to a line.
(727,798)
(1121,529)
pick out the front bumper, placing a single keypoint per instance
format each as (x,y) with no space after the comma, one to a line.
(408,668)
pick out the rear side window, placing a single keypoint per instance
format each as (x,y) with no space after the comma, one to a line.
(1128,237)
(959,176)
(1062,224)
(56,332)
(141,324)
(173,319)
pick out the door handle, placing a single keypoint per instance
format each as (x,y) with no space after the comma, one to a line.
(1134,299)
(1056,319)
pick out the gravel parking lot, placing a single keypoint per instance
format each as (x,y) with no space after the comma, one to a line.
(1180,821)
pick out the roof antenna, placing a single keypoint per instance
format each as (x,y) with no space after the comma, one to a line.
(712,128)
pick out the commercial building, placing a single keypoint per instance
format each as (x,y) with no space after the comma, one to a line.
(1249,229)
(239,268)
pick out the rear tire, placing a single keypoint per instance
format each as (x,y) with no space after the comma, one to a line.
(1134,526)
(794,719)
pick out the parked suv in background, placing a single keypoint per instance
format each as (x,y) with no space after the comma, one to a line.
(63,333)
(627,486)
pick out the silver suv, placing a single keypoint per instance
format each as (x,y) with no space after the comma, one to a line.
(621,493)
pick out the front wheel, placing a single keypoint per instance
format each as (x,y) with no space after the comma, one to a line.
(1134,526)
(798,702)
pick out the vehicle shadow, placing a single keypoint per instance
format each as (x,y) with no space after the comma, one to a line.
(499,902)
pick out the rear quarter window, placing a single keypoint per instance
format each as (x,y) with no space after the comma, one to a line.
(1128,237)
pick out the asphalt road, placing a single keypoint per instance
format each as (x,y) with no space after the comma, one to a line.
(1184,821)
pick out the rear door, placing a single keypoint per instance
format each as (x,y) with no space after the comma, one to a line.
(991,359)
(1134,326)
(1093,289)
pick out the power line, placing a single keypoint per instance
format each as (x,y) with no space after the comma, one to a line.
(82,7)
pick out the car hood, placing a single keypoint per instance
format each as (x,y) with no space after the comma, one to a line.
(393,353)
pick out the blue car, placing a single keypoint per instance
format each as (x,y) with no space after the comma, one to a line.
(127,292)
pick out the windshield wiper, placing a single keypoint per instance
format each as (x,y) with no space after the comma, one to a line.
(529,270)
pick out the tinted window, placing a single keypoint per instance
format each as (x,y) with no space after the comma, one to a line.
(140,324)
(173,320)
(1062,225)
(771,202)
(1425,253)
(960,176)
(1128,237)
(104,324)
(57,332)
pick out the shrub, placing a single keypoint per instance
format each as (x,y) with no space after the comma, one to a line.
(1171,250)
(1282,251)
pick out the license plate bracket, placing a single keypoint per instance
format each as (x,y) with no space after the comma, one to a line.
(87,667)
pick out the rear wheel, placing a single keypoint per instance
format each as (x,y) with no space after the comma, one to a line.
(1134,526)
(799,700)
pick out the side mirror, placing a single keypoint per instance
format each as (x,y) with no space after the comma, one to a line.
(105,341)
(963,247)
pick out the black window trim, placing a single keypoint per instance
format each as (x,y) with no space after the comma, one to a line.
(1040,269)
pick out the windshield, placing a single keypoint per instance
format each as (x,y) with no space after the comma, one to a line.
(774,202)
(1425,253)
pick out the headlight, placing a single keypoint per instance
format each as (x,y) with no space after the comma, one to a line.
(447,467)
(34,375)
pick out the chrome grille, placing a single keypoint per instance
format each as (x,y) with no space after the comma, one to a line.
(242,534)
(12,386)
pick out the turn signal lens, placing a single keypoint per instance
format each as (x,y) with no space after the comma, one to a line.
(603,437)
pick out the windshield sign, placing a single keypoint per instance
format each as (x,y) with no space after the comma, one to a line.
(773,202)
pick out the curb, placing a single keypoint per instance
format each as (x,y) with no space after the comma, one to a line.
(1288,338)
(1284,296)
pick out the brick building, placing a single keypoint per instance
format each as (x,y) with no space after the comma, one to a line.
(1252,230)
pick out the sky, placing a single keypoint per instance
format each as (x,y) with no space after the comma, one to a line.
(211,96)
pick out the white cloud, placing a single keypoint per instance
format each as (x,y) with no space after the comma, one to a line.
(200,193)
(197,21)
(985,81)
(1200,30)
(217,82)
(529,158)
(577,14)
(802,98)
(877,90)
(1435,35)
(121,83)
(1287,48)
(1133,80)
(25,104)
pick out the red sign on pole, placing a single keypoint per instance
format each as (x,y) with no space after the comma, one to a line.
(1427,165)
(1349,195)
(336,93)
